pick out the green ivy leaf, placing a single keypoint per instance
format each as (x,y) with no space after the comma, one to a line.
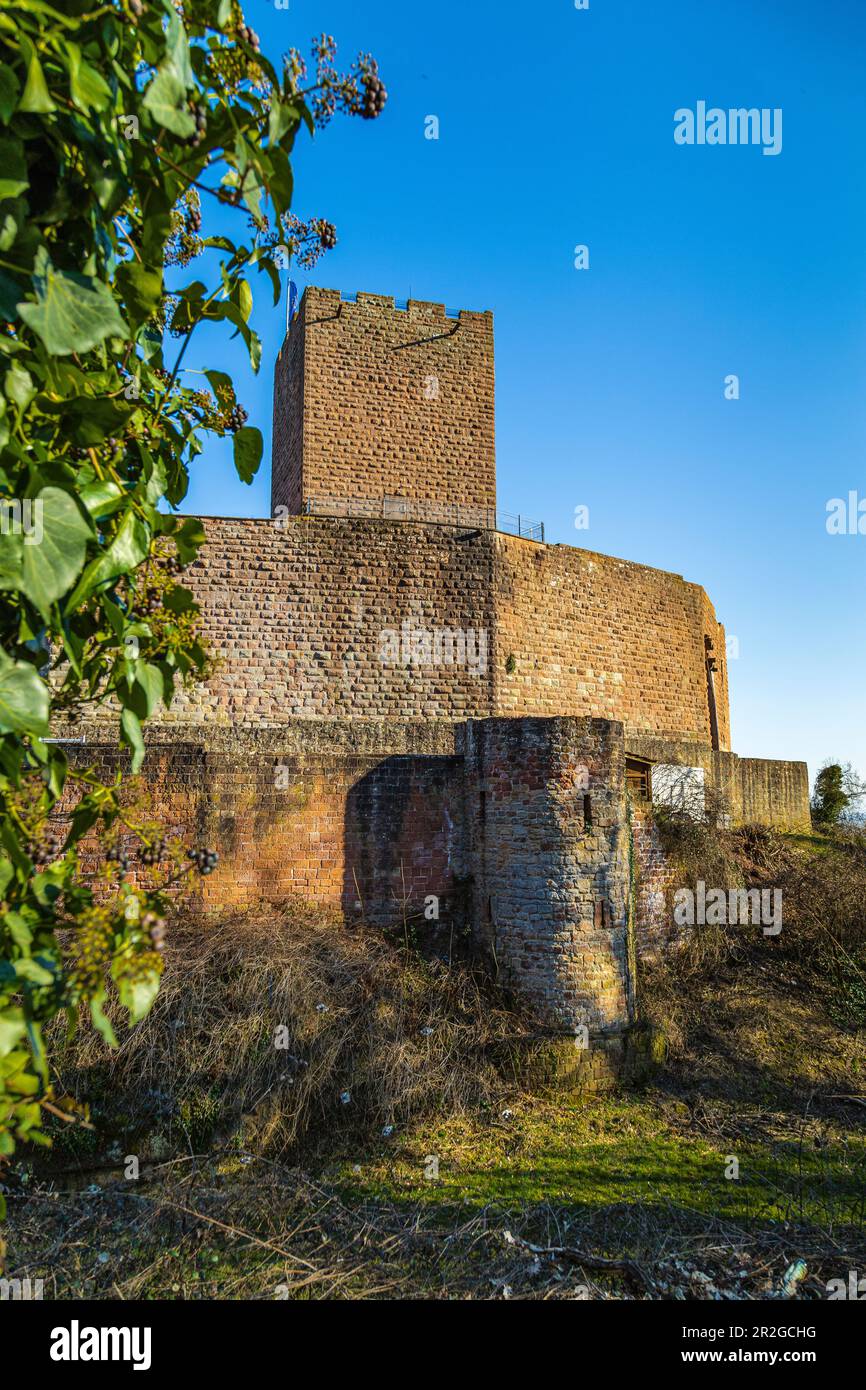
(13,168)
(281,181)
(165,99)
(101,1022)
(9,89)
(189,538)
(30,969)
(89,90)
(248,448)
(138,993)
(102,497)
(12,1029)
(221,382)
(10,293)
(18,386)
(72,312)
(147,690)
(130,728)
(282,118)
(242,296)
(35,97)
(23,698)
(50,566)
(141,288)
(125,553)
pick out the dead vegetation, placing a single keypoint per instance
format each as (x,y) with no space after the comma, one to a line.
(278,1029)
(386,1058)
(819,956)
(202,1230)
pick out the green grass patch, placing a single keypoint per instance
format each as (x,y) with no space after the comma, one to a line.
(618,1151)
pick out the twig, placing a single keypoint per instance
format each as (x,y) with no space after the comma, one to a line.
(236,1231)
(63,1115)
(567,1252)
(358,891)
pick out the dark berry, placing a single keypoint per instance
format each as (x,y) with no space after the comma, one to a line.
(48,850)
(205,860)
(155,927)
(375,97)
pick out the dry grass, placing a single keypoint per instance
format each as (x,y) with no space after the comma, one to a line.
(264,1022)
(196,1230)
(791,1007)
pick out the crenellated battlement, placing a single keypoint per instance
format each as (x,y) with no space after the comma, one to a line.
(318,299)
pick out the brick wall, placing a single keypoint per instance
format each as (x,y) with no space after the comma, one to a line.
(298,614)
(369,400)
(358,819)
(516,828)
(591,634)
(656,878)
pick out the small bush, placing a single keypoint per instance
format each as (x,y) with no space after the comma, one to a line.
(821,949)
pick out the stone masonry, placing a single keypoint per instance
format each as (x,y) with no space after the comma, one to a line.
(408,704)
(369,402)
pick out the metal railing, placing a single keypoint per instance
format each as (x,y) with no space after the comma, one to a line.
(517,525)
(461,514)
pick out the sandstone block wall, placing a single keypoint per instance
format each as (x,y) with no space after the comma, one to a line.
(591,634)
(372,400)
(308,620)
(298,616)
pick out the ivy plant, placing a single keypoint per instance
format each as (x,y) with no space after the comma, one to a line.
(123,126)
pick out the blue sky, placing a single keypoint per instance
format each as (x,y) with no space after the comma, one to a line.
(556,129)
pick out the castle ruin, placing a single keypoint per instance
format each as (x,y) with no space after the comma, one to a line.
(418,701)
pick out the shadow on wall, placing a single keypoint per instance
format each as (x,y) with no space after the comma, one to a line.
(405,850)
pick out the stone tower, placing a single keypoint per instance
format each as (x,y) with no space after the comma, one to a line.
(380,411)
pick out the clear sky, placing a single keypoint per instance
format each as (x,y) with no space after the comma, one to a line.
(557,130)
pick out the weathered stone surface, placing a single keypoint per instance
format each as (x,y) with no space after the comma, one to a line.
(372,401)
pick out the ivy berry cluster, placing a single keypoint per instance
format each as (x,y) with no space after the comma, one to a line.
(205,860)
